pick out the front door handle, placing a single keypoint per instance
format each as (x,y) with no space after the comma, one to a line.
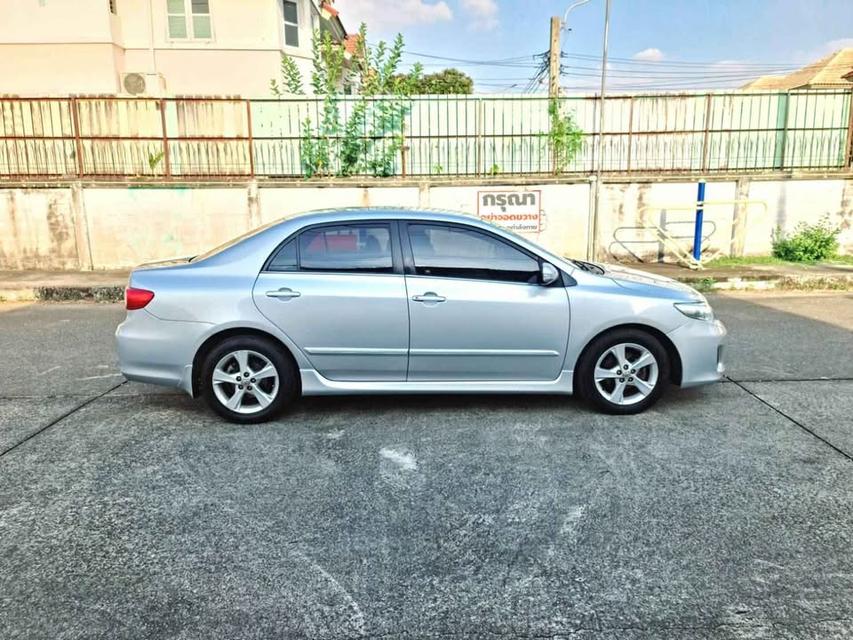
(429,296)
(285,293)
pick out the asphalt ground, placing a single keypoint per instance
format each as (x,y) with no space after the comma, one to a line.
(128,511)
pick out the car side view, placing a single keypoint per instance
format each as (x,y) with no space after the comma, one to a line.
(380,301)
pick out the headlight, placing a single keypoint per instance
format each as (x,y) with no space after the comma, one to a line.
(696,310)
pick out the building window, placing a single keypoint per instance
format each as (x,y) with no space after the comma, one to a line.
(189,19)
(291,24)
(113,6)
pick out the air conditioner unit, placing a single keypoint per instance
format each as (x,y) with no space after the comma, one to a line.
(143,84)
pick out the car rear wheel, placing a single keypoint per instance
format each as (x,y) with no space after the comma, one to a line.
(247,379)
(623,372)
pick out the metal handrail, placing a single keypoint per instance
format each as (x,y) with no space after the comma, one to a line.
(682,252)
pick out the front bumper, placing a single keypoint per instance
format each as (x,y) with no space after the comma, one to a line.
(700,345)
(158,351)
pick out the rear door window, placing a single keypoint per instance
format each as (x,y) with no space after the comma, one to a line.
(363,248)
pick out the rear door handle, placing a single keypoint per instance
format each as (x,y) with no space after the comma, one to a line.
(284,292)
(429,296)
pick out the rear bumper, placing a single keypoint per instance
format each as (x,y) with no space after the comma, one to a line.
(701,346)
(158,351)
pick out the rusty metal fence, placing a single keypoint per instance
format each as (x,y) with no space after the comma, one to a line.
(183,138)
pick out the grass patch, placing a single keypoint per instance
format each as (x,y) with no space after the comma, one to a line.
(743,261)
(749,261)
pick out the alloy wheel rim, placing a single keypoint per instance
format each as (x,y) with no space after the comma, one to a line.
(245,381)
(626,373)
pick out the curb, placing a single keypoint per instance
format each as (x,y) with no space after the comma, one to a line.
(103,293)
(782,283)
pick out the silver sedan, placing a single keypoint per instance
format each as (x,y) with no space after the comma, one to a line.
(379,301)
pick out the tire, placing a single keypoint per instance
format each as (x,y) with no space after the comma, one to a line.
(600,375)
(261,397)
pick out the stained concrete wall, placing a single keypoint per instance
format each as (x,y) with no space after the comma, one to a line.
(106,227)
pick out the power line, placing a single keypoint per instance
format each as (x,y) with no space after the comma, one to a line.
(529,57)
(686,63)
(651,74)
(663,74)
(696,74)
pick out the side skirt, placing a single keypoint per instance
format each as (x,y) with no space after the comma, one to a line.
(313,384)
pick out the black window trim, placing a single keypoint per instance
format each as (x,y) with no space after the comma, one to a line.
(393,236)
(409,258)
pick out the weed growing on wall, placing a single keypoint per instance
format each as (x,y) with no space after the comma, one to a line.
(565,136)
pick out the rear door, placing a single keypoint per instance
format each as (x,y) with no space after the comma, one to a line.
(477,309)
(337,290)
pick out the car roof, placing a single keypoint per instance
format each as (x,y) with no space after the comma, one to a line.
(345,214)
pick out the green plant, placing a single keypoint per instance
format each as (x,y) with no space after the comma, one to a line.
(494,170)
(377,72)
(445,82)
(808,243)
(565,136)
(370,138)
(154,159)
(291,79)
(704,285)
(317,148)
(437,169)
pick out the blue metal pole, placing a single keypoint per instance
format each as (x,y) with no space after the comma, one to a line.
(700,214)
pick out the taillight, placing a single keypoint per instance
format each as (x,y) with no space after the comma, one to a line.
(137,298)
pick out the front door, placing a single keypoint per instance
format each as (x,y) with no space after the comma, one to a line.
(477,310)
(335,291)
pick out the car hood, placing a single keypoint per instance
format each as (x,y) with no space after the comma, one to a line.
(637,279)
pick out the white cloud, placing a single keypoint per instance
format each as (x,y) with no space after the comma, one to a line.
(805,57)
(835,45)
(484,13)
(649,55)
(381,16)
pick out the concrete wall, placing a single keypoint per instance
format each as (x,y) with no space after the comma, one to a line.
(106,227)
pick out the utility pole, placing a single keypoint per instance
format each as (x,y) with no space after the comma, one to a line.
(592,239)
(554,59)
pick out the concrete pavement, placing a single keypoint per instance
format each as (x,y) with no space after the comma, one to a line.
(725,512)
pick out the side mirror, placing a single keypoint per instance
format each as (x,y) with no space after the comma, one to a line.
(549,274)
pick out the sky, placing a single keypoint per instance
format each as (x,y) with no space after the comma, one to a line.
(654,44)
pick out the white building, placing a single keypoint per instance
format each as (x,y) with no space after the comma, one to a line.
(156,47)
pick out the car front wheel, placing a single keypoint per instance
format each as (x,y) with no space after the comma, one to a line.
(623,372)
(247,379)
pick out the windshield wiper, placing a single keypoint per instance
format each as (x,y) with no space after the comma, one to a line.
(588,266)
